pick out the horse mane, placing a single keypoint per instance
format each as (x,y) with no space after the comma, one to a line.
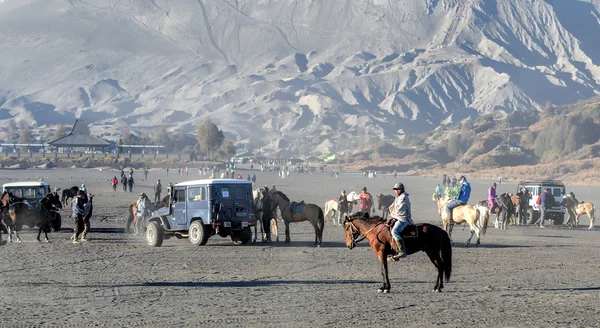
(282,196)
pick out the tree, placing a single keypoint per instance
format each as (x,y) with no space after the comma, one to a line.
(209,137)
(126,136)
(227,150)
(25,137)
(60,132)
(11,134)
(162,138)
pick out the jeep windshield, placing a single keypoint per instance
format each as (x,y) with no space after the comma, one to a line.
(31,193)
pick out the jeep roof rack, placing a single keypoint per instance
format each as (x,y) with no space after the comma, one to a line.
(543,182)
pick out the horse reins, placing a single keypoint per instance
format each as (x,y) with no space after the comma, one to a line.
(363,236)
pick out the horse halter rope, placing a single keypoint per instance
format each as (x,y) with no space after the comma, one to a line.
(355,231)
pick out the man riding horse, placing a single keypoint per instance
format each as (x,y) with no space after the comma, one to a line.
(463,197)
(402,214)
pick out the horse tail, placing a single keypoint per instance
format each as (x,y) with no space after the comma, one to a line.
(321,223)
(130,217)
(446,250)
(486,219)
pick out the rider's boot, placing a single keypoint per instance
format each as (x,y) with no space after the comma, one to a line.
(450,221)
(400,249)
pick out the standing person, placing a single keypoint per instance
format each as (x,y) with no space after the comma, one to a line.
(114,183)
(343,206)
(253,178)
(88,209)
(546,200)
(167,171)
(395,174)
(142,211)
(124,182)
(122,172)
(77,215)
(365,201)
(444,179)
(402,215)
(83,189)
(267,212)
(463,197)
(131,171)
(130,183)
(157,191)
(145,174)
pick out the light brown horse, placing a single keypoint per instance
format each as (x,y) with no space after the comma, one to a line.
(577,210)
(310,212)
(468,214)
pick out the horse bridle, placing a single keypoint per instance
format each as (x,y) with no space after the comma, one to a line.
(355,231)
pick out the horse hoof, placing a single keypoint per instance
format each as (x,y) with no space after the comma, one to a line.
(467,245)
(19,241)
(386,291)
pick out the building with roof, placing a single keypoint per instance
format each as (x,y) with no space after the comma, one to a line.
(80,137)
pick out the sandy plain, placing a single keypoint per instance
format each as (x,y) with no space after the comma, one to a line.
(523,276)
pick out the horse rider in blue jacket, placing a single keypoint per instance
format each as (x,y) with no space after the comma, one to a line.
(463,197)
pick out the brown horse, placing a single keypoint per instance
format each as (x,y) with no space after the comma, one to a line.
(310,212)
(423,237)
(17,212)
(383,204)
(577,210)
(464,214)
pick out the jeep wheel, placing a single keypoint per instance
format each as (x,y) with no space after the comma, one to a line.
(245,235)
(56,223)
(198,233)
(154,234)
(531,215)
(559,219)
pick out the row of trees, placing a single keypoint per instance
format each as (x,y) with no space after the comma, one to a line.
(210,141)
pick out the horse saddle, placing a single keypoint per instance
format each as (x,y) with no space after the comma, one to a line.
(410,231)
(296,207)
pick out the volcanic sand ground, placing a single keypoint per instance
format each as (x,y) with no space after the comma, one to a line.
(523,276)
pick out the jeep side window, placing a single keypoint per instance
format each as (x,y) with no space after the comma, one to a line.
(196,194)
(179,196)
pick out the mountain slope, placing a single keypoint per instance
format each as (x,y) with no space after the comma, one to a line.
(300,72)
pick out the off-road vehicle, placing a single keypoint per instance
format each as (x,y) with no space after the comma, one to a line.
(203,208)
(556,213)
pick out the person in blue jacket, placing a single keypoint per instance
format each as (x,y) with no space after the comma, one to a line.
(463,197)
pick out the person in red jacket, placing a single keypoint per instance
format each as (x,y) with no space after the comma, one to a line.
(115,182)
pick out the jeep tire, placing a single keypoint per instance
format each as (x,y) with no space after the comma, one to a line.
(154,234)
(245,235)
(198,233)
(558,218)
(531,214)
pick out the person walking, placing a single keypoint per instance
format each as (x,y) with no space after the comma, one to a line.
(142,212)
(88,209)
(546,200)
(157,191)
(77,213)
(114,183)
(402,215)
(124,182)
(130,183)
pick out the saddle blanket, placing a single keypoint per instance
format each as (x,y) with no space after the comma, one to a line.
(296,207)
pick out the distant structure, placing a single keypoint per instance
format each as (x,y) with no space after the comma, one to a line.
(80,137)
